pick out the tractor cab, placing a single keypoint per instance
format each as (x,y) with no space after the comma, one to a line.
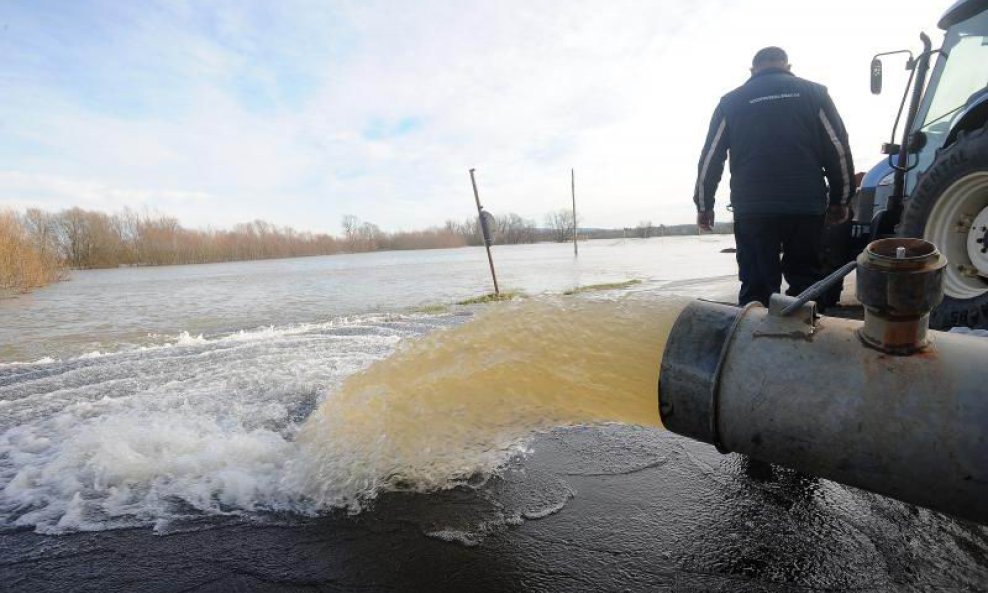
(958,91)
(934,182)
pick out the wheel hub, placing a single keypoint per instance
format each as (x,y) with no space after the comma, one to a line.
(977,243)
(958,226)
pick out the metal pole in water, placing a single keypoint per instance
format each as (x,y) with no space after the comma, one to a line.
(483,232)
(572,184)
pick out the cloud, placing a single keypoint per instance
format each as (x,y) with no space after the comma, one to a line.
(300,112)
(24,190)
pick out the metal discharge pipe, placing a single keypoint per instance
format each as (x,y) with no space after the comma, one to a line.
(829,397)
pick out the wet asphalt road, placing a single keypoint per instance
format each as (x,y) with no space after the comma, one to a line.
(645,510)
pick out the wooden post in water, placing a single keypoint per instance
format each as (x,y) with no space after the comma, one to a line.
(483,232)
(572,185)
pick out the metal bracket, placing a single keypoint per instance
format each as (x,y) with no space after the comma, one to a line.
(788,318)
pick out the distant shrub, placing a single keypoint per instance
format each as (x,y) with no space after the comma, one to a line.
(27,260)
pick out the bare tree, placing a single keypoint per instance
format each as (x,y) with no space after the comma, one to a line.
(43,229)
(350,226)
(644,229)
(559,225)
(369,236)
(72,225)
(512,229)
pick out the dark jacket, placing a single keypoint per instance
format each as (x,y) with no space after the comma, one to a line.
(784,136)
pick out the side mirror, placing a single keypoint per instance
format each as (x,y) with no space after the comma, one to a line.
(876,76)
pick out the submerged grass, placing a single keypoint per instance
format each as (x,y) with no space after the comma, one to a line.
(604,286)
(431,309)
(491,298)
(514,294)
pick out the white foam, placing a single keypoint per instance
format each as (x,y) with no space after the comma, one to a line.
(185,339)
(201,425)
(214,424)
(548,510)
(41,361)
(469,539)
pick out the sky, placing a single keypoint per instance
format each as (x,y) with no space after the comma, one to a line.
(300,112)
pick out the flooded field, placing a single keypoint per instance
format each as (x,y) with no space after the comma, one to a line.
(344,421)
(109,310)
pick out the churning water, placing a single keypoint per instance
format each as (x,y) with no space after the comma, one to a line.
(149,402)
(309,417)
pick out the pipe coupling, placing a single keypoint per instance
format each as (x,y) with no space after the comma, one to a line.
(899,281)
(689,378)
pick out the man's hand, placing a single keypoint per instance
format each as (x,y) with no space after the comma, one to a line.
(837,213)
(705,220)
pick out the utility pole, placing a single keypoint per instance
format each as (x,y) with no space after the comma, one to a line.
(572,185)
(484,232)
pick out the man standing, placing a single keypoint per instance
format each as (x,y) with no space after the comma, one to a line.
(784,137)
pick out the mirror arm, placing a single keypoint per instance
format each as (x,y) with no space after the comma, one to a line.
(902,105)
(922,67)
(892,53)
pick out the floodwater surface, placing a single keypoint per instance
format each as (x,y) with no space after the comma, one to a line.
(104,310)
(281,420)
(340,422)
(288,417)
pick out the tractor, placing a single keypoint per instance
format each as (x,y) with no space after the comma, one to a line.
(934,182)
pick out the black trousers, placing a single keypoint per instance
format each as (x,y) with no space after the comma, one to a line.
(760,242)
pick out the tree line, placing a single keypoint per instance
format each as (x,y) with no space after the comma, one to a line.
(38,247)
(83,239)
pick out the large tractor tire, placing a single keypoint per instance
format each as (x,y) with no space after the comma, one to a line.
(950,209)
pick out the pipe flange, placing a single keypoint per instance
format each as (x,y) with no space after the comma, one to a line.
(899,281)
